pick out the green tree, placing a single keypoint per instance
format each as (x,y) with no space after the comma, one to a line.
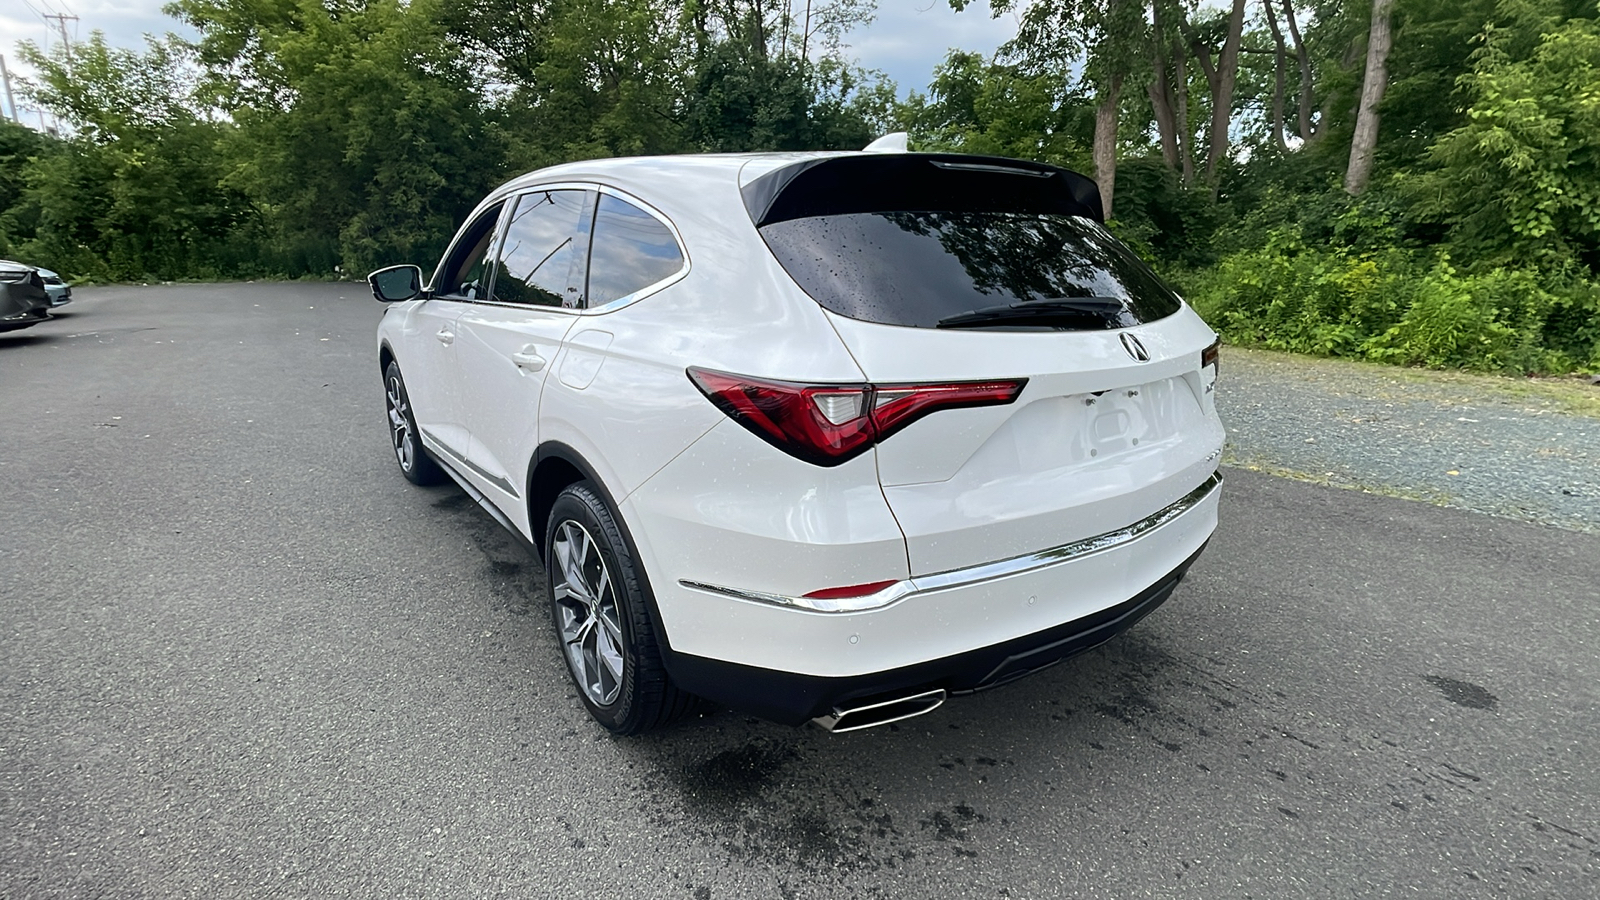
(1520,180)
(363,135)
(978,106)
(136,191)
(19,146)
(1108,38)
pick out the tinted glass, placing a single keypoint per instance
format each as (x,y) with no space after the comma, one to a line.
(632,250)
(466,271)
(542,263)
(921,268)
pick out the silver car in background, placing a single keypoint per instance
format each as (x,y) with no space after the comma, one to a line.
(54,285)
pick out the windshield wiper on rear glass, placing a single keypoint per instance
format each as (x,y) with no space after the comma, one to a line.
(1056,312)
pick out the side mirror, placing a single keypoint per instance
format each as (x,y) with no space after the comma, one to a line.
(396,284)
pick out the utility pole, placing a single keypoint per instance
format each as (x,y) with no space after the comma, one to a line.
(61,26)
(11,103)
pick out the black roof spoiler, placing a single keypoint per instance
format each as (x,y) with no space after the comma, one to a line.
(903,182)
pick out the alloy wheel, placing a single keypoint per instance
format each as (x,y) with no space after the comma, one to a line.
(400,425)
(586,609)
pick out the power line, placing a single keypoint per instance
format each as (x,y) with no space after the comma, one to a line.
(66,42)
(58,18)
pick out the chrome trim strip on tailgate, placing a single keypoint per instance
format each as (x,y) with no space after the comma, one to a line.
(965,577)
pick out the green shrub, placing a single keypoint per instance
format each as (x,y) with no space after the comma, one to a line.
(1452,322)
(1397,306)
(1287,296)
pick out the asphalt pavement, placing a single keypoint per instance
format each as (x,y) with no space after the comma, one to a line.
(241,657)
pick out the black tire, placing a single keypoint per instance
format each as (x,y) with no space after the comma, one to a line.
(611,628)
(415,463)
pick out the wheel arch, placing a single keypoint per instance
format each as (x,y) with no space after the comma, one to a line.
(385,356)
(556,465)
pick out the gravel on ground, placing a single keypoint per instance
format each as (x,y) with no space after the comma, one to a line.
(1519,448)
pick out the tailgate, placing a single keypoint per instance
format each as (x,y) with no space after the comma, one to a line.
(1096,441)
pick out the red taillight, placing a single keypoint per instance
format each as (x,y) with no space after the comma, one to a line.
(854,590)
(1211,355)
(794,418)
(827,424)
(898,405)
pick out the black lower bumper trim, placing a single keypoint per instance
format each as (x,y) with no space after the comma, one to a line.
(24,319)
(792,699)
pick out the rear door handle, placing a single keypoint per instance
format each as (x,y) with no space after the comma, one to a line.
(446,336)
(528,360)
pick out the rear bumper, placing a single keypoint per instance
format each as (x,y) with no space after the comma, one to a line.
(790,698)
(969,576)
(944,615)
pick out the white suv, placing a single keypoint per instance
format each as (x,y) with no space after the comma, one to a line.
(818,436)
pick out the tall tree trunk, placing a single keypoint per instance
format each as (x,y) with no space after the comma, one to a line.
(805,36)
(1365,141)
(783,49)
(1304,118)
(1279,78)
(758,16)
(1160,89)
(1169,90)
(1222,97)
(1105,143)
(1166,118)
(1185,137)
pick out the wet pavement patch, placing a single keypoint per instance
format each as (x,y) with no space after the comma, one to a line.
(1463,693)
(454,501)
(734,777)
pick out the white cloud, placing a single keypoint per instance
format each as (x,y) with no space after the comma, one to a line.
(909,37)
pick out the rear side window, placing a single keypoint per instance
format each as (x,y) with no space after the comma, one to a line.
(631,251)
(954,242)
(542,263)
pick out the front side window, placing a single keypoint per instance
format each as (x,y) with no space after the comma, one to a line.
(632,251)
(465,273)
(545,245)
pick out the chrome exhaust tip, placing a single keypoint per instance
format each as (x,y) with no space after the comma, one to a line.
(882,712)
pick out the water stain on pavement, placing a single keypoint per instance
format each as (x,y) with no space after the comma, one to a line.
(764,806)
(454,500)
(734,777)
(1463,693)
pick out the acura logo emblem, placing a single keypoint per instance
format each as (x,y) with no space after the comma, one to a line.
(1135,348)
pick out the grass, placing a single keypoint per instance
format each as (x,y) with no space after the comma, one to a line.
(1343,482)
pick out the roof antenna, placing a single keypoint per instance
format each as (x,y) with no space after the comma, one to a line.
(889,143)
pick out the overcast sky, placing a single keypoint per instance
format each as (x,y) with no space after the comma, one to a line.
(907,39)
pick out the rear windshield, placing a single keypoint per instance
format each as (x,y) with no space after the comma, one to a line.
(934,240)
(928,268)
